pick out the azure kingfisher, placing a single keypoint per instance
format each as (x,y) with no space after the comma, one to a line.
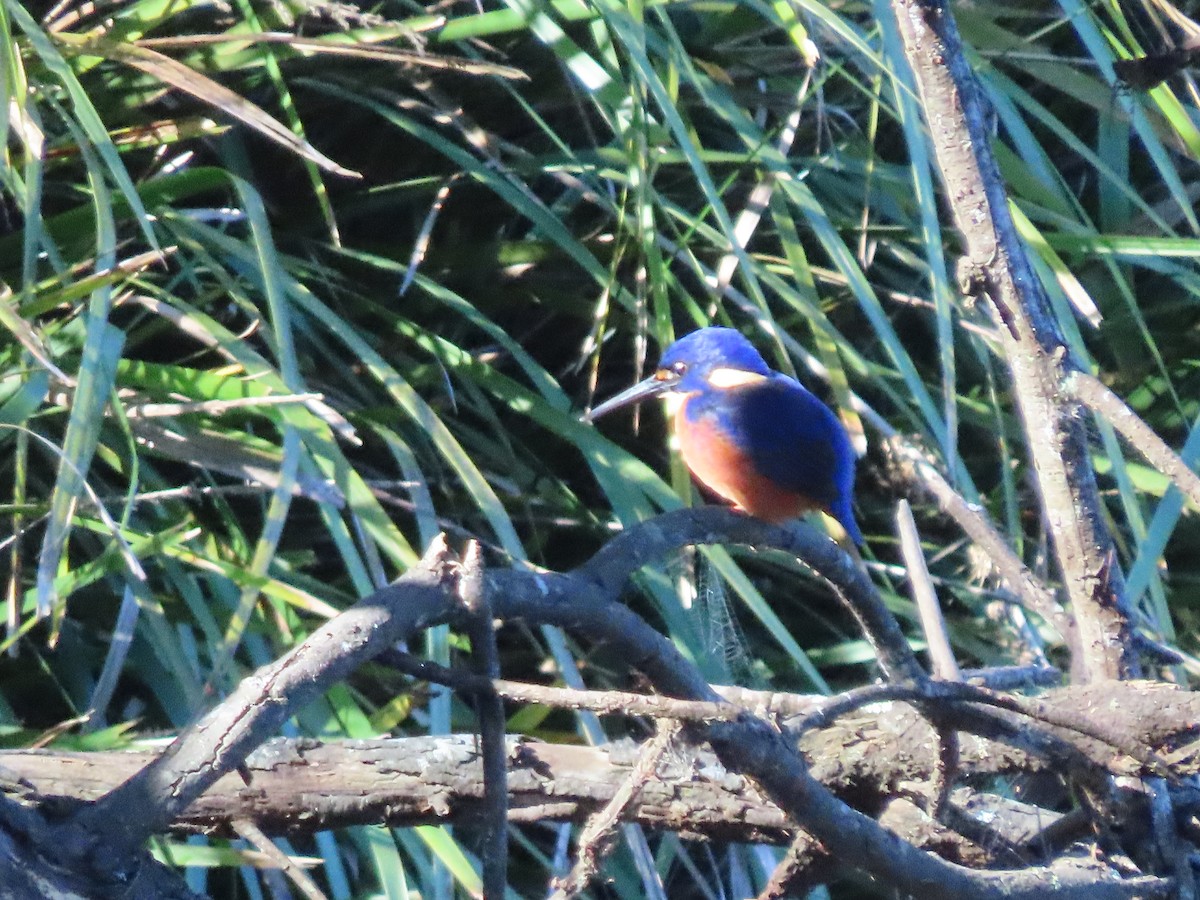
(753,436)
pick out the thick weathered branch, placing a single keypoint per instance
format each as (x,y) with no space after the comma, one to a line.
(998,269)
(300,786)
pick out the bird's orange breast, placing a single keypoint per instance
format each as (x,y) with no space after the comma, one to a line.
(723,467)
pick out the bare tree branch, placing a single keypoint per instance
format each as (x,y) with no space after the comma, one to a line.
(490,710)
(117,825)
(582,601)
(998,269)
(1095,395)
(632,549)
(767,704)
(297,786)
(1031,592)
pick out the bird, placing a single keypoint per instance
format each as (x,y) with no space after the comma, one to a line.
(753,436)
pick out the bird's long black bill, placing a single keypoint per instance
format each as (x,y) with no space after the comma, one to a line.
(640,391)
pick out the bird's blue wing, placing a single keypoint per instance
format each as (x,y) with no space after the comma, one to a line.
(796,441)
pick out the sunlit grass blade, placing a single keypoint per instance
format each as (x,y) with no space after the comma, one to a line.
(264,550)
(590,73)
(1162,525)
(122,638)
(428,420)
(1085,25)
(203,88)
(1069,284)
(288,105)
(925,201)
(81,105)
(92,393)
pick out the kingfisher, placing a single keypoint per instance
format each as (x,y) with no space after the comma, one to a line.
(753,436)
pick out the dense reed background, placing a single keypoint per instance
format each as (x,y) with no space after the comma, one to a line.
(459,226)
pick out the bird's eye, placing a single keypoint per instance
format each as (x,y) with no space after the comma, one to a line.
(670,373)
(673,372)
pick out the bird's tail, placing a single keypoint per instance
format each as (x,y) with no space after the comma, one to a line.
(844,515)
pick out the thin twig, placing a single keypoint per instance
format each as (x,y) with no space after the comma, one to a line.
(339,45)
(980,529)
(490,710)
(941,654)
(214,407)
(805,865)
(597,835)
(767,704)
(1092,393)
(256,838)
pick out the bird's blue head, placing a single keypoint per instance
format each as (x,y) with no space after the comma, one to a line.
(709,359)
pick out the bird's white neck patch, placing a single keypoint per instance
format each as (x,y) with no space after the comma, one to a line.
(674,402)
(731,378)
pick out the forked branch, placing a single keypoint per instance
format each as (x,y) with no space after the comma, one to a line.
(997,270)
